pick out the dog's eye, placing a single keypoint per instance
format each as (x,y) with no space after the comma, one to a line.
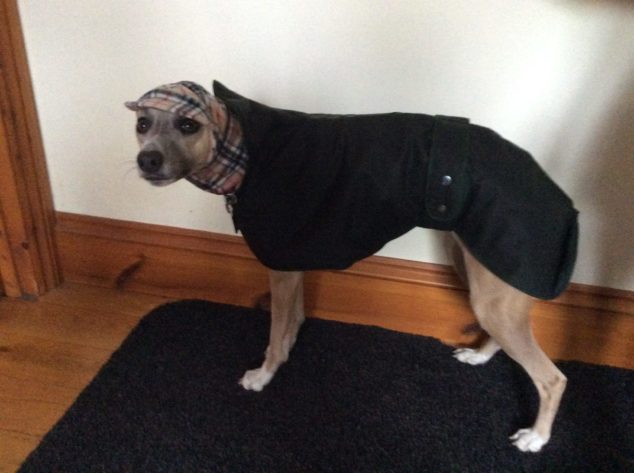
(143,125)
(187,126)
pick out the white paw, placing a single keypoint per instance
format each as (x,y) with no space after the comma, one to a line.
(470,356)
(527,440)
(255,380)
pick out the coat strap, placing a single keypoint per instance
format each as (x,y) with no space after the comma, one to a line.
(448,181)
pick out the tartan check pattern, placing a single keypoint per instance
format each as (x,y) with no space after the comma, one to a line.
(224,174)
(182,98)
(228,158)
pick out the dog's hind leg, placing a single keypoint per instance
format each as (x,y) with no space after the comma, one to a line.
(489,347)
(503,312)
(287,315)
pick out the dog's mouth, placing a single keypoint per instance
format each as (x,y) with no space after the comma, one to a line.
(159,180)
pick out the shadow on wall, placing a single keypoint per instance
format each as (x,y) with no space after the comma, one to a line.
(608,186)
(598,136)
(618,3)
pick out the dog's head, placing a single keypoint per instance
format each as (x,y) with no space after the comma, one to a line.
(177,128)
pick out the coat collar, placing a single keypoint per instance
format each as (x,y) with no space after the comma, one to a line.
(225,172)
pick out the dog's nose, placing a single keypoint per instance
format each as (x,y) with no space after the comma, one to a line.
(150,161)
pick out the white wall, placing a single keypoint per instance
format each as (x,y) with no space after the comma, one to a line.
(554,76)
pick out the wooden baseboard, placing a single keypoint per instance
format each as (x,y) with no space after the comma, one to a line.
(585,323)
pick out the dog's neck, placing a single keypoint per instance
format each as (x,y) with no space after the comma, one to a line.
(228,161)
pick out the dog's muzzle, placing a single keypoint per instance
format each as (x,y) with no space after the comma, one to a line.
(150,162)
(151,166)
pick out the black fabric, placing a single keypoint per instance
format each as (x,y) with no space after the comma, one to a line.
(448,181)
(324,191)
(351,399)
(517,221)
(320,190)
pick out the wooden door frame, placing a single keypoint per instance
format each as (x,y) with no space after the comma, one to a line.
(29,261)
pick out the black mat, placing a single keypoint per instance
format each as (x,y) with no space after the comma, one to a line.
(351,399)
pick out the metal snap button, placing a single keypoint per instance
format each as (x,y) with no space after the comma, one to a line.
(442,208)
(446,180)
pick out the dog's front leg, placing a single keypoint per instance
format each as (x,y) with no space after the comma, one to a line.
(287,315)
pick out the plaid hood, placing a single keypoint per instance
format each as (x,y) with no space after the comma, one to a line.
(184,98)
(228,160)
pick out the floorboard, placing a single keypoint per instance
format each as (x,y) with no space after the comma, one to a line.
(50,350)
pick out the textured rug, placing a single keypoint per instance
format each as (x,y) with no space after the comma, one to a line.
(351,399)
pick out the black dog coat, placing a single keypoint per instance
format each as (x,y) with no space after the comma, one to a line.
(324,191)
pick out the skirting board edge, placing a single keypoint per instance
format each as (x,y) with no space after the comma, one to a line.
(409,296)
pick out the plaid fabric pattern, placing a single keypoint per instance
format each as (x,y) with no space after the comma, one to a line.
(224,174)
(182,98)
(228,159)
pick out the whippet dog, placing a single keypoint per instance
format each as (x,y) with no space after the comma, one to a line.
(185,132)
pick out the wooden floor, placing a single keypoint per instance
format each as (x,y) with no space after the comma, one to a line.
(51,349)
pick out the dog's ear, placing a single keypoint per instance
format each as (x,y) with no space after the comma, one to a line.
(218,113)
(132,106)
